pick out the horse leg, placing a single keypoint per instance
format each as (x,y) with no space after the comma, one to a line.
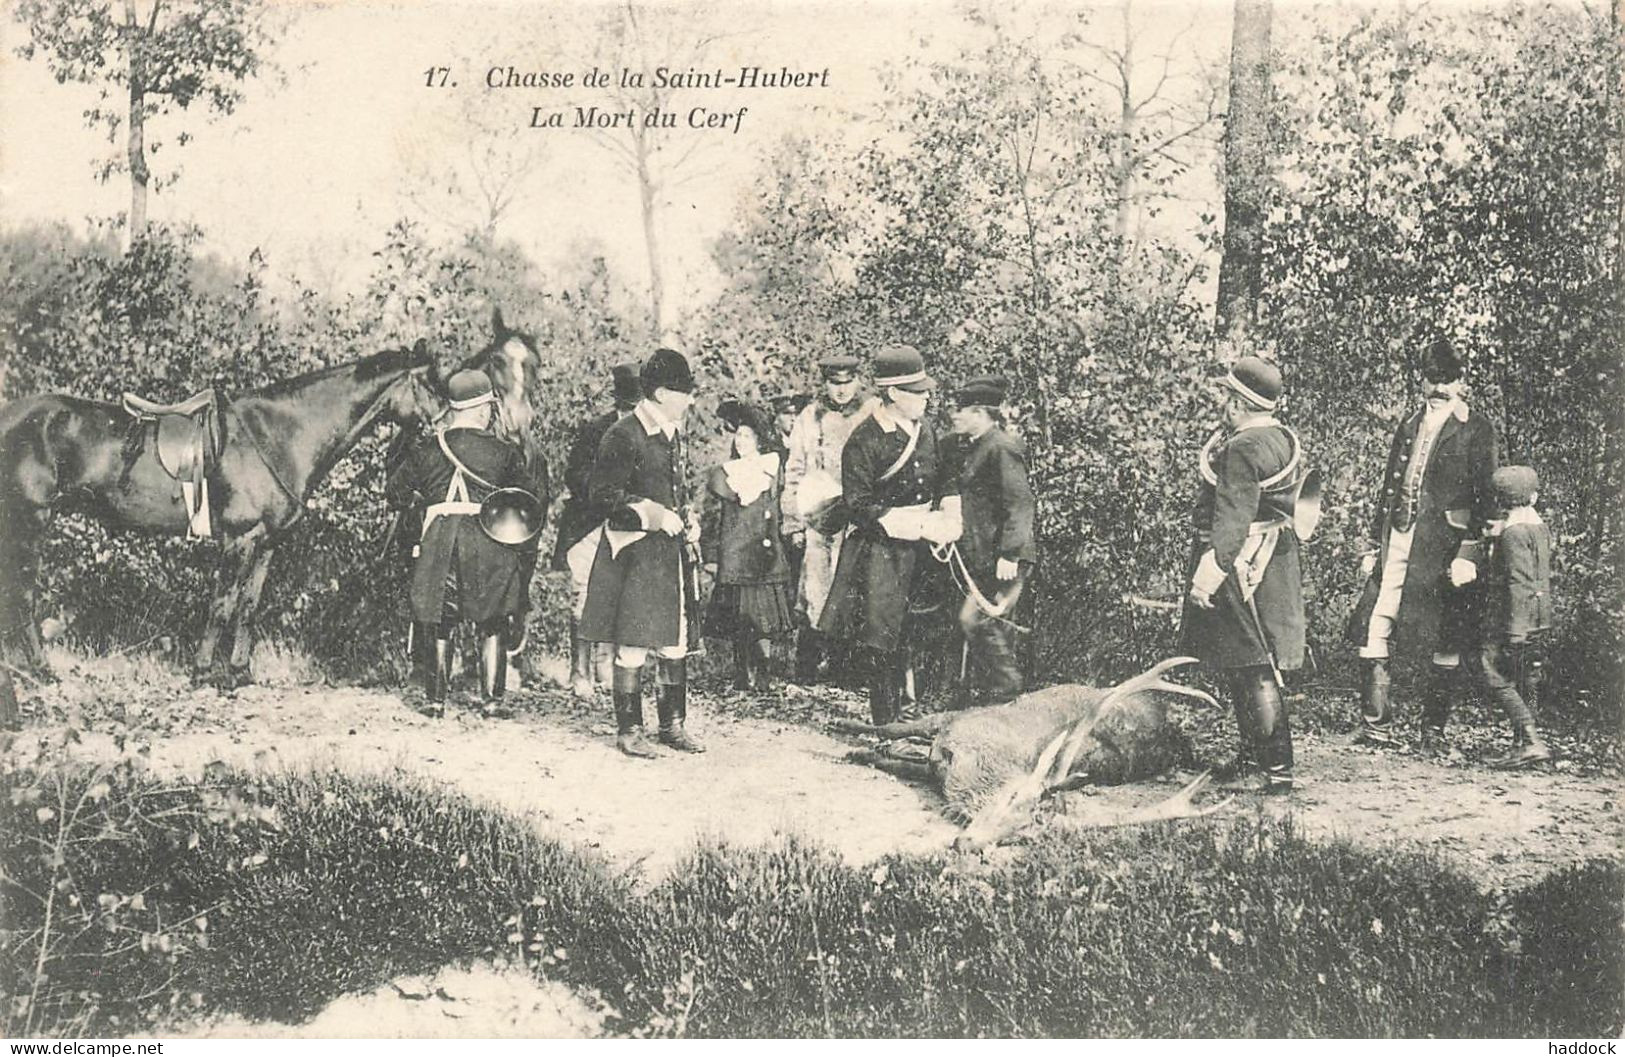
(224,605)
(20,536)
(256,563)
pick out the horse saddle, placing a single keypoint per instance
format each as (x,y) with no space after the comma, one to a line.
(187,439)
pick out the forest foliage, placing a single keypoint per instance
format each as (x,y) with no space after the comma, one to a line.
(1444,172)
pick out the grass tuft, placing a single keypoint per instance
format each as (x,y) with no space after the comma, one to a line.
(129,901)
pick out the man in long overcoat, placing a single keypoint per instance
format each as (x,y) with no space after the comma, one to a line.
(639,595)
(892,484)
(581,523)
(1435,502)
(997,543)
(816,517)
(1244,612)
(459,572)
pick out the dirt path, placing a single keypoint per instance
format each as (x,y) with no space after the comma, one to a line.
(555,763)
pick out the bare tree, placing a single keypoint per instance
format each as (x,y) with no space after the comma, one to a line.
(1246,167)
(657,157)
(1156,125)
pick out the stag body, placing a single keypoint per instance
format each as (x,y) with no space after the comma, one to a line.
(59,451)
(992,764)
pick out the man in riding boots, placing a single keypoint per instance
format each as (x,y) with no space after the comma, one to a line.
(997,544)
(891,480)
(460,573)
(1244,613)
(1436,500)
(581,523)
(815,516)
(639,595)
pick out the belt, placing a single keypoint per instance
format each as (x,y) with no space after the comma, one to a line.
(1256,528)
(449,508)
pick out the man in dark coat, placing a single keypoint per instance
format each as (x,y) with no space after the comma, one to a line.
(1435,502)
(639,596)
(580,522)
(891,483)
(459,572)
(997,543)
(1244,613)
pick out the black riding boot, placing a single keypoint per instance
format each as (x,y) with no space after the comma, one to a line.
(809,650)
(908,701)
(761,665)
(1444,687)
(1273,731)
(493,670)
(581,671)
(436,665)
(883,690)
(627,691)
(673,706)
(742,661)
(1245,761)
(1376,712)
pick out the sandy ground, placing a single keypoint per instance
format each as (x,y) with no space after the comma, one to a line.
(555,764)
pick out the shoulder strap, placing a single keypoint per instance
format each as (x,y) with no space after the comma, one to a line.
(440,437)
(908,453)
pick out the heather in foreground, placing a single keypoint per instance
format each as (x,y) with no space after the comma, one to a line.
(129,902)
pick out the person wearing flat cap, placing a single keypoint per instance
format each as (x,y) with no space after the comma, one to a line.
(893,488)
(997,544)
(638,597)
(1244,612)
(1436,500)
(459,572)
(815,517)
(1517,610)
(581,524)
(741,541)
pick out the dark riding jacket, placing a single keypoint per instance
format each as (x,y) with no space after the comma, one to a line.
(490,578)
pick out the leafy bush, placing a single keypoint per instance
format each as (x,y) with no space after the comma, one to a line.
(269,895)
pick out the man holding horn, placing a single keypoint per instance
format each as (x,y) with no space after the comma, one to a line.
(1244,613)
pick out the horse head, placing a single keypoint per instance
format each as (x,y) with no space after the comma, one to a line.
(514,365)
(415,397)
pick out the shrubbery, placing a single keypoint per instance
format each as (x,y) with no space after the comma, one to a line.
(270,895)
(1453,172)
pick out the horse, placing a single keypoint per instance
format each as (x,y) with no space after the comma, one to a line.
(65,452)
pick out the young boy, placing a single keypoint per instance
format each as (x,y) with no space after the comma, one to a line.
(1518,609)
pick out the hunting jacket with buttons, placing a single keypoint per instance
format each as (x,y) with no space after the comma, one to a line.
(1518,583)
(877,576)
(491,578)
(634,597)
(1453,503)
(998,505)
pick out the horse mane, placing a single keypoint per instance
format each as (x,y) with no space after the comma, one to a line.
(390,361)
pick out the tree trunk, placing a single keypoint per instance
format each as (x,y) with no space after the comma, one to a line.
(136,145)
(1123,215)
(651,240)
(1246,167)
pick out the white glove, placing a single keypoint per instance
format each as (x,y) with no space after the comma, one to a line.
(1462,572)
(1200,598)
(937,529)
(670,523)
(901,523)
(692,533)
(1006,569)
(1368,564)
